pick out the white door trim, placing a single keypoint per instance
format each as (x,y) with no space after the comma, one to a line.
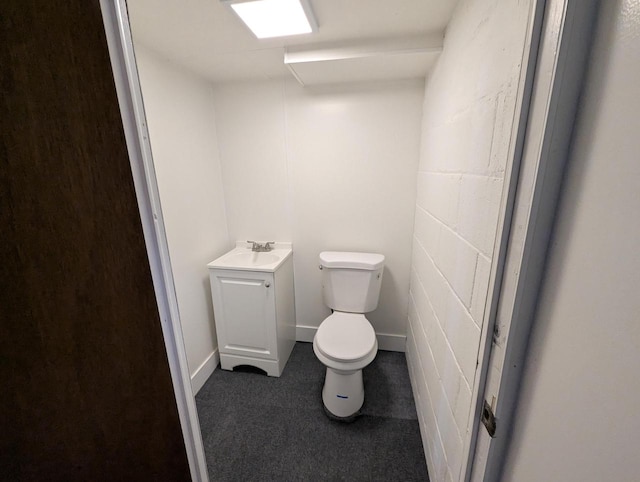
(531,199)
(123,64)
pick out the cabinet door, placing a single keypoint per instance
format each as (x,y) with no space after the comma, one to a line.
(244,306)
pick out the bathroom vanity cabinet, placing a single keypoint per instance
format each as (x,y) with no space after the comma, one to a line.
(254,308)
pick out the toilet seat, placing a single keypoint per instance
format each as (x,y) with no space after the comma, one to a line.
(346,341)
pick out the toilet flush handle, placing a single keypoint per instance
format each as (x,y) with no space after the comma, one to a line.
(267,284)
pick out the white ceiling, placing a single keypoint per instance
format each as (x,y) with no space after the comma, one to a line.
(207,38)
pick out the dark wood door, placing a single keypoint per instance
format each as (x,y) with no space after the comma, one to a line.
(85,389)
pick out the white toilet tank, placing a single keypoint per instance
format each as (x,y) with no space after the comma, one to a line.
(351,281)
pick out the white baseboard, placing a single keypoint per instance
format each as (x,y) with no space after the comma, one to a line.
(386,341)
(204,371)
(305,333)
(390,342)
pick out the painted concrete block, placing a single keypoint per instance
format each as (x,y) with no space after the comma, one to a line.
(479,206)
(450,438)
(430,277)
(502,132)
(447,476)
(457,261)
(418,300)
(438,194)
(431,345)
(447,369)
(443,411)
(480,287)
(426,230)
(463,335)
(463,142)
(435,449)
(468,110)
(435,337)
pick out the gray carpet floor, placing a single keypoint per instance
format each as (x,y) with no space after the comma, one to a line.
(259,428)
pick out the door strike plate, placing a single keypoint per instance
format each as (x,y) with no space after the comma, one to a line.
(488,419)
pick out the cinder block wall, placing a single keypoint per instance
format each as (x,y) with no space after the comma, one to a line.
(469,105)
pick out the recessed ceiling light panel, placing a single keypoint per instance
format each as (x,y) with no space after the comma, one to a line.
(275,18)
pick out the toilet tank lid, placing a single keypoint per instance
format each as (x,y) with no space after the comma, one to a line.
(342,259)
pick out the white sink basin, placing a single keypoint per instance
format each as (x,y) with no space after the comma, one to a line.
(252,259)
(242,258)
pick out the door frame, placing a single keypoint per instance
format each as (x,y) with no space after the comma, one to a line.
(561,33)
(125,73)
(553,63)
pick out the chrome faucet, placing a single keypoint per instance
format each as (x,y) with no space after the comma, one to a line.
(261,247)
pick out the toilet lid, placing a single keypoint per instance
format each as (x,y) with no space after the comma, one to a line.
(345,337)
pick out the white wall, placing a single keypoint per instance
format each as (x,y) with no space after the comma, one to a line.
(469,104)
(329,169)
(578,418)
(251,137)
(180,116)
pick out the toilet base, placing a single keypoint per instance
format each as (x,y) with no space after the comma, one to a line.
(343,393)
(350,419)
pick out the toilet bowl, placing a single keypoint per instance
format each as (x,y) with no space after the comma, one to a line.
(345,341)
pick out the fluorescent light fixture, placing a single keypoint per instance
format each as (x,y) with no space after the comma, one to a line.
(275,18)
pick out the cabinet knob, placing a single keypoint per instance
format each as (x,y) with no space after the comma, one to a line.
(267,284)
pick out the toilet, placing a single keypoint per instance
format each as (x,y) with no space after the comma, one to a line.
(345,341)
